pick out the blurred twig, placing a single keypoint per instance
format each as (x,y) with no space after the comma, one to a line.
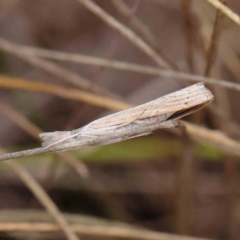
(211,58)
(216,138)
(104,231)
(108,55)
(139,26)
(185,177)
(228,12)
(229,57)
(80,224)
(227,125)
(70,93)
(62,56)
(42,196)
(188,27)
(185,187)
(34,131)
(214,42)
(21,121)
(126,32)
(52,68)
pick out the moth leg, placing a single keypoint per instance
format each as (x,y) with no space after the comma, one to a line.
(138,135)
(115,140)
(171,124)
(126,138)
(166,124)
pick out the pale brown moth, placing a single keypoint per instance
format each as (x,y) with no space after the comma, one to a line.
(133,122)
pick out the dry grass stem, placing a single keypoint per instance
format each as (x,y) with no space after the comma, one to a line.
(125,31)
(124,66)
(226,124)
(211,57)
(34,131)
(140,27)
(20,120)
(104,231)
(185,181)
(69,93)
(65,75)
(43,198)
(214,42)
(215,138)
(188,27)
(225,10)
(134,22)
(185,178)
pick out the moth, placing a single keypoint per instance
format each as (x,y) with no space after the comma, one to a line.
(133,122)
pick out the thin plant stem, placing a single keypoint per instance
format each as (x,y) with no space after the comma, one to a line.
(126,32)
(42,196)
(225,10)
(125,66)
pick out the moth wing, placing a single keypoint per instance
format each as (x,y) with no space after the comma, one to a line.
(164,106)
(50,138)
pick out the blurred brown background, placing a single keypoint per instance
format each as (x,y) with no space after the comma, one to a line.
(166,182)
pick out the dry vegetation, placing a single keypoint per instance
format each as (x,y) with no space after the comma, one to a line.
(65,63)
